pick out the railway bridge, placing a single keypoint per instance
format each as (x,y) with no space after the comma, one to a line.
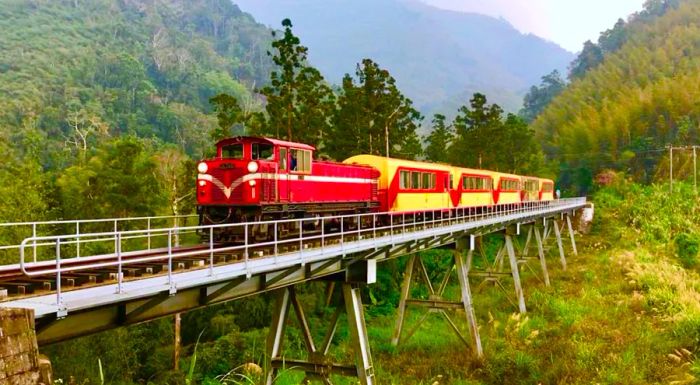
(80,277)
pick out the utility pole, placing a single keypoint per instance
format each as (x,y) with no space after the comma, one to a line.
(695,171)
(670,166)
(386,129)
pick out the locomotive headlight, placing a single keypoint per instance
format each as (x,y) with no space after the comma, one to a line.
(202,167)
(252,167)
(202,183)
(251,183)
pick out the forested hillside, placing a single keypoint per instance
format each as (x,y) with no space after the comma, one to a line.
(438,57)
(82,82)
(628,103)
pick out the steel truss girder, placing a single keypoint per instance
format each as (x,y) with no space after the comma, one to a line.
(437,303)
(89,320)
(318,365)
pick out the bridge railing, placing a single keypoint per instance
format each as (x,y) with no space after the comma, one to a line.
(9,252)
(346,229)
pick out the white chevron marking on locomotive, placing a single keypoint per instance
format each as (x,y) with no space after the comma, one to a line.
(248,177)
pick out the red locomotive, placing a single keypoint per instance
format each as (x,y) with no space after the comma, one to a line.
(259,179)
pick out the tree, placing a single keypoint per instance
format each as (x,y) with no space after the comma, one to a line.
(590,57)
(374,117)
(229,115)
(612,39)
(175,175)
(118,181)
(538,98)
(487,139)
(299,102)
(439,140)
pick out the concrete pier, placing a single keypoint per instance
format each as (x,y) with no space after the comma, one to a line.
(19,352)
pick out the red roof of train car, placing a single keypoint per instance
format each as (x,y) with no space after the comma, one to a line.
(270,140)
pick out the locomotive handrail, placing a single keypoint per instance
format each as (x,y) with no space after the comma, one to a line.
(171,253)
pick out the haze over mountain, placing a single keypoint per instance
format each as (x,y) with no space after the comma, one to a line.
(438,57)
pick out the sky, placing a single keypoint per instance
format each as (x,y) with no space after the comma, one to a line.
(568,23)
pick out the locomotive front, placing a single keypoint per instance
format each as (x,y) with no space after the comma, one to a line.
(229,187)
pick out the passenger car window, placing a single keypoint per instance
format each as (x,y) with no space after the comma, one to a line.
(232,151)
(415,180)
(405,180)
(427,181)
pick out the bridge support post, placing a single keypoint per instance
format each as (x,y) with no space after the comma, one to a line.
(557,234)
(318,365)
(524,258)
(493,273)
(515,272)
(540,254)
(571,233)
(436,302)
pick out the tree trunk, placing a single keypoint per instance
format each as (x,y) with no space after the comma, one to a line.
(176,353)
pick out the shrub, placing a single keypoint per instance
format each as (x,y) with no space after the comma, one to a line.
(687,248)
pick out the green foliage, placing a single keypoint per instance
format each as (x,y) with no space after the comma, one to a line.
(637,208)
(124,67)
(487,139)
(439,140)
(626,103)
(374,117)
(118,181)
(539,97)
(687,248)
(299,102)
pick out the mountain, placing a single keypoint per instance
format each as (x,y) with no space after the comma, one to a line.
(623,111)
(438,57)
(115,67)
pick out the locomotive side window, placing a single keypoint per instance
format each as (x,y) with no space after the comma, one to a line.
(232,151)
(263,151)
(300,160)
(283,159)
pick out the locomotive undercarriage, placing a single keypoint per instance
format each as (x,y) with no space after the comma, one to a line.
(313,216)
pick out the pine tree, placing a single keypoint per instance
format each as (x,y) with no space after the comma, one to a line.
(374,117)
(439,140)
(299,102)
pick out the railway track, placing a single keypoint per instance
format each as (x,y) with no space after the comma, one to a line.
(68,272)
(15,284)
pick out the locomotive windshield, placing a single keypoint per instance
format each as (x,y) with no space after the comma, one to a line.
(263,151)
(232,151)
